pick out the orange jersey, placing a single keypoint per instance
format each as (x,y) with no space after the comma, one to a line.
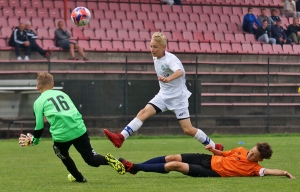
(234,163)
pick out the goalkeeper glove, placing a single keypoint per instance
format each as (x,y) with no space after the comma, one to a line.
(28,140)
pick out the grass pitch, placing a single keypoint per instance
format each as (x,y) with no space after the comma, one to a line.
(38,169)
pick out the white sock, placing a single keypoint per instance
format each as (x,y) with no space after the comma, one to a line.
(203,138)
(132,127)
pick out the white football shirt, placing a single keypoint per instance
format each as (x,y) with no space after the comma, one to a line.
(175,90)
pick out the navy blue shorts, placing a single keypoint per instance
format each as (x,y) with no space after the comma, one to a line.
(66,44)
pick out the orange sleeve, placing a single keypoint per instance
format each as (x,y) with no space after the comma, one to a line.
(227,153)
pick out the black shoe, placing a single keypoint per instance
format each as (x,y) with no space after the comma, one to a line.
(129,166)
(75,59)
(72,179)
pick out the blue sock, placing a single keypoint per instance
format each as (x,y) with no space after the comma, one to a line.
(157,168)
(161,159)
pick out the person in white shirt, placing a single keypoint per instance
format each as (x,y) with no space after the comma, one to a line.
(290,9)
(173,96)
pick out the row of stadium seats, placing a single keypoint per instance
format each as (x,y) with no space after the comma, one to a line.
(114,5)
(192,47)
(130,13)
(123,34)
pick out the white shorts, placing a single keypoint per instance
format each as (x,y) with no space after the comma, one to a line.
(181,110)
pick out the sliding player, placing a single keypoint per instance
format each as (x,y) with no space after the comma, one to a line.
(66,127)
(237,162)
(173,95)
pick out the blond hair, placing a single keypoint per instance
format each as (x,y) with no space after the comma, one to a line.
(44,80)
(160,38)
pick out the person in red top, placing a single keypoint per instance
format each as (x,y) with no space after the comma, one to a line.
(238,162)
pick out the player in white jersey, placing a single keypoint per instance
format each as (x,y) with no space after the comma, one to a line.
(173,95)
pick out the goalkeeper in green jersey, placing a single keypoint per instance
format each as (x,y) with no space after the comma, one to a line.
(66,127)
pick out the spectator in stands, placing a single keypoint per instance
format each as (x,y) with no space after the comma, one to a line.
(290,9)
(62,40)
(293,31)
(32,37)
(19,39)
(263,33)
(297,5)
(264,16)
(171,2)
(278,33)
(249,20)
(274,16)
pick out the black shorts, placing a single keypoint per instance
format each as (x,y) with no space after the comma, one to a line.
(199,165)
(66,44)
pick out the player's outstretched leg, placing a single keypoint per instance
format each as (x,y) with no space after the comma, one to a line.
(129,166)
(116,138)
(115,163)
(73,179)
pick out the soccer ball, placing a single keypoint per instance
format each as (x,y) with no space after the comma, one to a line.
(80,16)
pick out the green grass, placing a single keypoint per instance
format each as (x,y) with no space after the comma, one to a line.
(38,169)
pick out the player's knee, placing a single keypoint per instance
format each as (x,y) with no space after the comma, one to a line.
(171,158)
(172,166)
(187,130)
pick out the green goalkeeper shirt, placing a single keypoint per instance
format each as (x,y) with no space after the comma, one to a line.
(65,120)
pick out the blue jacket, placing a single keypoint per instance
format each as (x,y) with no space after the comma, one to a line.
(250,18)
(278,32)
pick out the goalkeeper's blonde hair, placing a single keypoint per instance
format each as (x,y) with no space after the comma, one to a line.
(44,79)
(160,38)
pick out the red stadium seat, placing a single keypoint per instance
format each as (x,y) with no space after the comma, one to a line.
(204,18)
(216,47)
(56,13)
(95,44)
(131,15)
(296,49)
(237,48)
(166,8)
(235,19)
(42,13)
(20,12)
(6,32)
(177,35)
(37,3)
(98,14)
(288,49)
(142,16)
(216,10)
(145,7)
(138,24)
(209,37)
(194,17)
(194,47)
(2,43)
(107,46)
(176,9)
(51,32)
(48,4)
(222,27)
(127,24)
(277,49)
(89,33)
(170,25)
(123,34)
(134,7)
(232,27)
(102,5)
(240,38)
(129,45)
(205,47)
(120,15)
(184,17)
(187,35)
(4,3)
(215,18)
(37,22)
(8,12)
(159,25)
(118,45)
(250,38)
(112,34)
(48,44)
(227,10)
(116,24)
(184,47)
(84,44)
(191,26)
(49,23)
(230,37)
(173,47)
(141,46)
(202,27)
(163,16)
(3,22)
(78,34)
(114,6)
(125,7)
(224,18)
(180,26)
(174,16)
(226,47)
(90,5)
(42,33)
(156,8)
(212,27)
(13,21)
(237,11)
(152,16)
(31,12)
(149,25)
(144,35)
(219,36)
(109,15)
(207,9)
(134,35)
(94,24)
(199,37)
(257,48)
(197,9)
(186,9)
(100,34)
(105,24)
(247,48)
(267,48)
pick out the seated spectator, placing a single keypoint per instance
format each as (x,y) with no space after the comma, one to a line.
(293,31)
(171,2)
(290,9)
(32,37)
(264,16)
(249,20)
(19,39)
(62,40)
(274,16)
(263,33)
(279,34)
